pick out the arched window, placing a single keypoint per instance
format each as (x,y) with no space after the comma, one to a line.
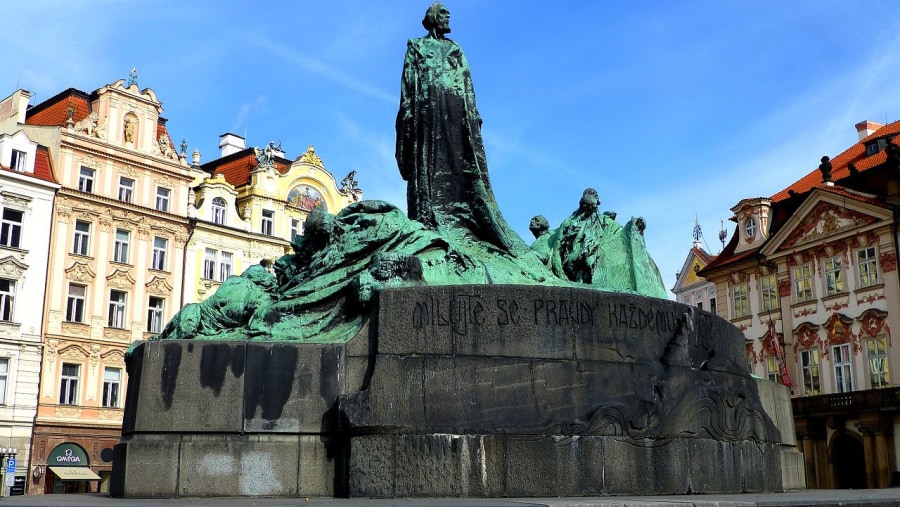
(218,211)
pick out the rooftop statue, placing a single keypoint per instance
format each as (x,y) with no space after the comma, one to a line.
(454,233)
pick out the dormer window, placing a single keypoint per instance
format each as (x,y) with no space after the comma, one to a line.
(17,162)
(877,145)
(750,228)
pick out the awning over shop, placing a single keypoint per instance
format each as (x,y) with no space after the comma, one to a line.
(75,473)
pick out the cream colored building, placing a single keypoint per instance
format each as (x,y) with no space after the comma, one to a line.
(810,276)
(115,267)
(248,204)
(27,188)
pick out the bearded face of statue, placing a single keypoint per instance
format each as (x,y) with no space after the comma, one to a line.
(437,20)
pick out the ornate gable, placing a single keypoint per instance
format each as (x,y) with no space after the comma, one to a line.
(80,272)
(120,279)
(10,267)
(825,219)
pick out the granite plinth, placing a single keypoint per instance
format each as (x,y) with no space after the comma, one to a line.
(463,391)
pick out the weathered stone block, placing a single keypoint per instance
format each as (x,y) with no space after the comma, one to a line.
(654,468)
(711,466)
(319,455)
(371,465)
(190,387)
(291,387)
(148,468)
(233,467)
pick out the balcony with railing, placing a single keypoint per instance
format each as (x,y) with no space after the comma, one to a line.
(847,403)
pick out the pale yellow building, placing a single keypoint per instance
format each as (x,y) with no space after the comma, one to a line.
(248,204)
(115,267)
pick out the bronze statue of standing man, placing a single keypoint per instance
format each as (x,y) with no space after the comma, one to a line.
(440,152)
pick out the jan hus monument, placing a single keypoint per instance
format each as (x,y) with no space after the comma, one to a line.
(435,353)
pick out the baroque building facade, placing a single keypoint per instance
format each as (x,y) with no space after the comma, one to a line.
(810,276)
(690,288)
(248,204)
(27,187)
(116,252)
(106,231)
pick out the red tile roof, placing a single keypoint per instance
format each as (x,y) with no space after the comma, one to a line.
(43,168)
(54,111)
(702,255)
(840,164)
(237,167)
(783,208)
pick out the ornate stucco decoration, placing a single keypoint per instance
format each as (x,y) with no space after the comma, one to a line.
(825,220)
(121,335)
(120,279)
(127,170)
(114,357)
(873,322)
(10,267)
(74,353)
(16,200)
(310,157)
(839,331)
(89,161)
(80,272)
(159,286)
(807,336)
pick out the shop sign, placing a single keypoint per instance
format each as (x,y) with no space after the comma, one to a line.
(68,455)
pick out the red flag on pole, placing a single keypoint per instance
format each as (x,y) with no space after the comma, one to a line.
(779,356)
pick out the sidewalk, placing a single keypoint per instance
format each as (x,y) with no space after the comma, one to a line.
(827,498)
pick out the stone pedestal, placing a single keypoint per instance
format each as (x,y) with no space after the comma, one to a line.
(463,391)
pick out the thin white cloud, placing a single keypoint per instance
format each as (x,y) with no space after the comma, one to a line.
(246,110)
(321,69)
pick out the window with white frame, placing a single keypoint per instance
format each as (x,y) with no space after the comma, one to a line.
(82,237)
(217,265)
(86,180)
(75,303)
(843,368)
(224,265)
(155,314)
(768,291)
(7,299)
(68,385)
(803,283)
(834,275)
(160,246)
(773,372)
(120,247)
(11,228)
(296,229)
(809,367)
(877,359)
(209,264)
(218,210)
(18,161)
(4,378)
(268,222)
(116,309)
(162,198)
(739,298)
(126,189)
(112,380)
(867,266)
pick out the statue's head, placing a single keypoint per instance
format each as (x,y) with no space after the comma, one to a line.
(319,226)
(437,20)
(538,226)
(589,202)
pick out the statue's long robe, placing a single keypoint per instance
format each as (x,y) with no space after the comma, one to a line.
(440,152)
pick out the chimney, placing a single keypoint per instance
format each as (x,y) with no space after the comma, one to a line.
(15,106)
(866,128)
(230,143)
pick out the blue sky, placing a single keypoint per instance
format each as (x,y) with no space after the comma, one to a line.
(668,109)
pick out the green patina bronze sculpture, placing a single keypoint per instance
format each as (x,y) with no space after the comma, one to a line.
(454,233)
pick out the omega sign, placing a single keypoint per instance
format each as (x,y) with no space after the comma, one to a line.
(68,457)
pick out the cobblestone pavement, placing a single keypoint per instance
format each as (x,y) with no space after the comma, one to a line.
(826,498)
